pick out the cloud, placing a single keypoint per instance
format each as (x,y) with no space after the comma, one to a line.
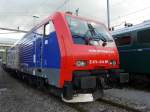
(14,13)
(132,11)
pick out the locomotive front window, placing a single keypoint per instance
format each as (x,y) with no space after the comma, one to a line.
(87,32)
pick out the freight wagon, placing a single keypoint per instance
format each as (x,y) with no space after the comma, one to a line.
(75,56)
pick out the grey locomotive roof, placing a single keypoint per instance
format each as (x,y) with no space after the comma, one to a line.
(145,24)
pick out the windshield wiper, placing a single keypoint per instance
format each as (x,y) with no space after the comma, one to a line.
(96,36)
(99,36)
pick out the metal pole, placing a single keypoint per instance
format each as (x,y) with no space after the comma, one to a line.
(108,14)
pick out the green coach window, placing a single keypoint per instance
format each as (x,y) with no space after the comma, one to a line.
(144,36)
(124,40)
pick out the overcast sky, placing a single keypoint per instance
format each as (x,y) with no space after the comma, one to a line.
(14,13)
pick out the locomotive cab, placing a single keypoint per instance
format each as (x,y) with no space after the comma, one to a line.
(89,56)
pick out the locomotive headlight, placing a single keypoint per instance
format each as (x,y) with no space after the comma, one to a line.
(113,62)
(81,63)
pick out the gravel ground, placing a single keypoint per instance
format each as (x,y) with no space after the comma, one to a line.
(16,96)
(100,107)
(133,98)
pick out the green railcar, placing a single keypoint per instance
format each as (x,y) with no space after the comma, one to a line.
(4,57)
(134,48)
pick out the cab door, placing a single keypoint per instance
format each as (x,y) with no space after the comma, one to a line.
(51,54)
(49,40)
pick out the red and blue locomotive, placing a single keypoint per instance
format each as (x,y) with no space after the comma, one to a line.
(73,55)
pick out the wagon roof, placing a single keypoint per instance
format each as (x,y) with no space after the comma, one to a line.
(145,24)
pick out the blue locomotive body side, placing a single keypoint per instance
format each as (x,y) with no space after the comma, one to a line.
(26,51)
(40,55)
(51,51)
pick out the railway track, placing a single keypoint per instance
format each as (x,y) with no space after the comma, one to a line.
(108,105)
(102,105)
(122,106)
(97,106)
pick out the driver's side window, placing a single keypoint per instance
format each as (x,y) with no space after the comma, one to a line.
(48,28)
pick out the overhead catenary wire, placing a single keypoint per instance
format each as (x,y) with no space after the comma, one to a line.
(62,5)
(10,29)
(11,32)
(118,3)
(20,13)
(31,13)
(131,13)
(135,18)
